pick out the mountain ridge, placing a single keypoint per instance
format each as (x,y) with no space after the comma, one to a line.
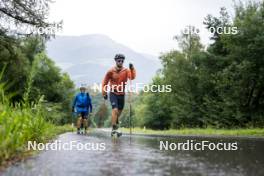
(88,57)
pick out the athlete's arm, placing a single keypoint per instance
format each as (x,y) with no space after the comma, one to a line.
(74,103)
(105,82)
(90,106)
(131,72)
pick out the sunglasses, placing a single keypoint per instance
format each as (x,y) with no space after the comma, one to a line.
(120,61)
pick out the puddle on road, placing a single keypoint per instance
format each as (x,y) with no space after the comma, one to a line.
(141,156)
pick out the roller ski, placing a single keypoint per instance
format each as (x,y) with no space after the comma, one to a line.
(115,133)
(82,130)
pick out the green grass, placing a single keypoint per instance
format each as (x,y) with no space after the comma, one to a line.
(20,124)
(200,131)
(55,130)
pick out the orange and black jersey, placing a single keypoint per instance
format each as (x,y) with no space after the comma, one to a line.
(117,79)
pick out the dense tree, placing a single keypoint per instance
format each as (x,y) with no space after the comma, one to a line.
(222,86)
(28,70)
(19,42)
(101,115)
(20,17)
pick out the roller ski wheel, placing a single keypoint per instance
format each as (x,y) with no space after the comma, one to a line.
(116,134)
(81,132)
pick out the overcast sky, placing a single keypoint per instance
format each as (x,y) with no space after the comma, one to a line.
(146,26)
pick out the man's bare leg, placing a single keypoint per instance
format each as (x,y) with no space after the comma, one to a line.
(79,122)
(118,115)
(85,124)
(114,116)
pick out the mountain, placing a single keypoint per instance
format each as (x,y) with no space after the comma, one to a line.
(87,58)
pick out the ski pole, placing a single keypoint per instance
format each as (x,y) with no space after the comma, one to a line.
(130,96)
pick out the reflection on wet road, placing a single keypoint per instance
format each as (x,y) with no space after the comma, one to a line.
(141,156)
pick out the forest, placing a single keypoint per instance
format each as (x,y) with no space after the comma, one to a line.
(219,86)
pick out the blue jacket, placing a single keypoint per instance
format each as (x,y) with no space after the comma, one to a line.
(83,102)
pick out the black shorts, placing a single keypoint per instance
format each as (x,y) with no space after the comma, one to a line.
(117,101)
(84,115)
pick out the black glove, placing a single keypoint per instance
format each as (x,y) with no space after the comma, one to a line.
(131,67)
(105,97)
(72,109)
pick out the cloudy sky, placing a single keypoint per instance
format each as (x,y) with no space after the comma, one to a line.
(146,26)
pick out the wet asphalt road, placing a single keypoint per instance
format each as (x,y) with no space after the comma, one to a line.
(140,155)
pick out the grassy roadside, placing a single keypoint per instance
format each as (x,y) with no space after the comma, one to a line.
(56,130)
(21,152)
(21,122)
(259,132)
